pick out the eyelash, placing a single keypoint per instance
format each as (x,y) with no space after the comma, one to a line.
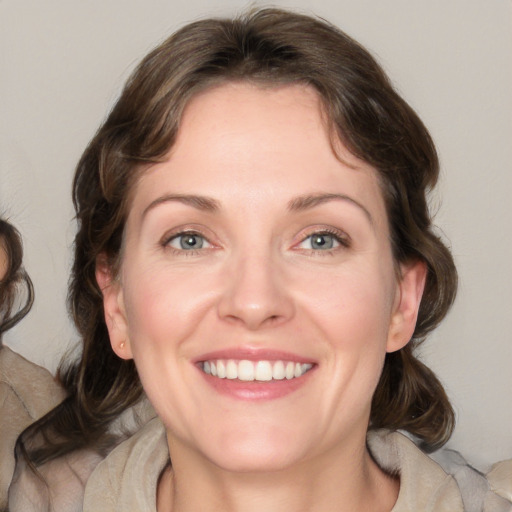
(339,236)
(167,239)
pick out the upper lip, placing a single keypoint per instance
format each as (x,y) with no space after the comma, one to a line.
(253,354)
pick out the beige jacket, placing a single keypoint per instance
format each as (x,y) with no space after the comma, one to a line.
(61,483)
(27,392)
(126,480)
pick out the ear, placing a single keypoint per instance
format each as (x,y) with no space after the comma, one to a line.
(407,304)
(113,306)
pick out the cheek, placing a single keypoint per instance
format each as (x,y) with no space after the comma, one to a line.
(162,307)
(352,316)
(162,313)
(356,299)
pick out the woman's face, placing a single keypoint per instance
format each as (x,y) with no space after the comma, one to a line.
(256,254)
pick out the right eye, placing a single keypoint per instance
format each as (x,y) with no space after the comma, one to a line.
(188,241)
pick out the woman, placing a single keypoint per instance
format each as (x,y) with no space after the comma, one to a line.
(255,246)
(26,390)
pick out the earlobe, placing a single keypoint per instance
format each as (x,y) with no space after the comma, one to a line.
(113,307)
(407,304)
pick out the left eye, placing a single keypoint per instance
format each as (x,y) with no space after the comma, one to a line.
(188,242)
(320,242)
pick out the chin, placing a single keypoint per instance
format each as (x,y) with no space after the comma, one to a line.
(264,450)
(252,459)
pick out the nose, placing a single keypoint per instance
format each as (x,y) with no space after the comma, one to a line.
(256,294)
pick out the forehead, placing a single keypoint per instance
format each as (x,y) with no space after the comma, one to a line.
(245,142)
(275,116)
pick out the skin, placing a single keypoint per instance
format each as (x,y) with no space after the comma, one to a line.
(257,282)
(4,260)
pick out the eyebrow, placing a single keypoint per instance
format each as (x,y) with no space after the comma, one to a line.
(203,203)
(297,204)
(309,201)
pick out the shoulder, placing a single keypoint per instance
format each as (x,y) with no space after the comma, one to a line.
(27,392)
(424,485)
(60,483)
(33,386)
(491,492)
(500,479)
(127,478)
(57,485)
(441,481)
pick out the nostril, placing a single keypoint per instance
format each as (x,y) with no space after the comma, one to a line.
(255,318)
(256,297)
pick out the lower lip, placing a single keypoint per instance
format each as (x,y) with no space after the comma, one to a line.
(257,390)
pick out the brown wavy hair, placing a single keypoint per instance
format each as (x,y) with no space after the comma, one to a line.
(268,47)
(16,289)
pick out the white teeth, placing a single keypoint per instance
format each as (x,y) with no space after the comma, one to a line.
(221,370)
(231,370)
(290,370)
(245,370)
(262,371)
(278,372)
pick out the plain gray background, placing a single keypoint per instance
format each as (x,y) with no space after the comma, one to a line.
(63,63)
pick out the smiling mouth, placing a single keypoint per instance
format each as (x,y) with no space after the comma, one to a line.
(260,371)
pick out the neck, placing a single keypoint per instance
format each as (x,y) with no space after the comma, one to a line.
(329,483)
